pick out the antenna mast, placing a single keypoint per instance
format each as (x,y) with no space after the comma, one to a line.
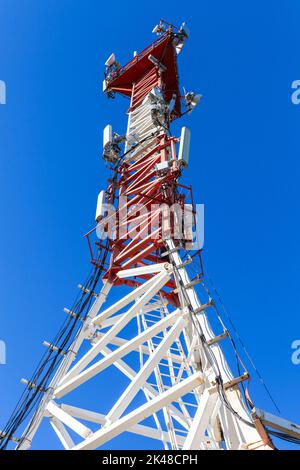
(146,334)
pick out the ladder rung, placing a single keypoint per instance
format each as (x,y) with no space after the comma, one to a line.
(87,291)
(162,385)
(218,338)
(167,365)
(72,314)
(193,283)
(153,316)
(188,285)
(54,348)
(188,404)
(170,349)
(236,381)
(180,430)
(169,252)
(152,385)
(167,375)
(185,263)
(204,306)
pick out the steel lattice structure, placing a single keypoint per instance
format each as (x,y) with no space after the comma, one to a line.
(149,321)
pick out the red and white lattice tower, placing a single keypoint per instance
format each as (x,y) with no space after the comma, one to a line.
(147,322)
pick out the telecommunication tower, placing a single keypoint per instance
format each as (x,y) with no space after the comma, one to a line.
(145,312)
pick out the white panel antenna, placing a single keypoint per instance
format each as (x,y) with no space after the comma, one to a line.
(111,60)
(100,205)
(184,147)
(162,166)
(107,135)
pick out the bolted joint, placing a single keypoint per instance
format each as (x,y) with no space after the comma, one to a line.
(87,291)
(72,314)
(52,347)
(32,385)
(168,268)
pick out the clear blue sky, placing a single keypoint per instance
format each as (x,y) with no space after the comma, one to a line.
(244,166)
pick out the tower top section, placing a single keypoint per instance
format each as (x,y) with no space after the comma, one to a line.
(155,66)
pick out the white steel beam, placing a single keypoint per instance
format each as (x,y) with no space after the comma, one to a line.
(275,422)
(118,341)
(109,432)
(117,354)
(148,389)
(62,433)
(124,301)
(68,420)
(239,432)
(140,429)
(149,269)
(133,388)
(208,401)
(159,281)
(110,321)
(33,425)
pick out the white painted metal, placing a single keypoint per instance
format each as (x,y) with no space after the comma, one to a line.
(68,420)
(118,353)
(173,370)
(107,135)
(68,359)
(144,372)
(152,268)
(100,205)
(184,147)
(142,412)
(241,432)
(196,435)
(111,60)
(162,166)
(62,433)
(99,418)
(278,423)
(158,281)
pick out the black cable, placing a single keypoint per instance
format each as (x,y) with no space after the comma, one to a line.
(210,356)
(34,391)
(219,381)
(238,358)
(242,343)
(40,379)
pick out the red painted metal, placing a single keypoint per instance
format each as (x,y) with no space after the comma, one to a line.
(138,181)
(128,80)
